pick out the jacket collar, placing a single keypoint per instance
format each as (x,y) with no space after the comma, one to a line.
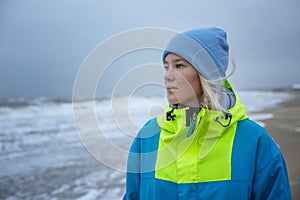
(206,121)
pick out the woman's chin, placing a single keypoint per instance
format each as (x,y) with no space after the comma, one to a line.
(173,100)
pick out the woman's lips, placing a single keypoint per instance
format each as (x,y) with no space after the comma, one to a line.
(171,89)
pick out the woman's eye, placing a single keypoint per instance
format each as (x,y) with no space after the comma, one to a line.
(179,65)
(166,67)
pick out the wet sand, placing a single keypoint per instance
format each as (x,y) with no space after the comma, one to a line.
(284,127)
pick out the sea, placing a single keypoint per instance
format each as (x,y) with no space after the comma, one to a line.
(44,153)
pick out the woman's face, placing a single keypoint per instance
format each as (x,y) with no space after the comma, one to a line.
(182,81)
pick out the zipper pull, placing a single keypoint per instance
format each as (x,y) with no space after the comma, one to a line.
(192,126)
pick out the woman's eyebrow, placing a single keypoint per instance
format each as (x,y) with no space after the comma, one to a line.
(174,61)
(178,60)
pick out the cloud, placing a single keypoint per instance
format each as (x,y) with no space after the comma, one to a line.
(43,43)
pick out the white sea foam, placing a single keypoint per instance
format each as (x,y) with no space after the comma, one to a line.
(256,101)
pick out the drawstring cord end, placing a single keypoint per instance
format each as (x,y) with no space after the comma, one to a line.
(170,116)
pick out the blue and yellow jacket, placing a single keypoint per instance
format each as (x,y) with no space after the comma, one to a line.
(228,157)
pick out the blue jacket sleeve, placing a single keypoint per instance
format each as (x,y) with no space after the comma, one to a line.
(133,172)
(271,177)
(272,181)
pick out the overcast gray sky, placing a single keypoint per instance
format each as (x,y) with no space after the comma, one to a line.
(44,42)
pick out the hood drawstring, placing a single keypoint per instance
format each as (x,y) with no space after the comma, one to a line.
(226,116)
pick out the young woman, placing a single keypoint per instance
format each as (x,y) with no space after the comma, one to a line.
(204,146)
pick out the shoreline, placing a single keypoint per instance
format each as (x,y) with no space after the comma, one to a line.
(284,128)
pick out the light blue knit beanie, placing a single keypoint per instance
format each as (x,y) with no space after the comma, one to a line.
(205,48)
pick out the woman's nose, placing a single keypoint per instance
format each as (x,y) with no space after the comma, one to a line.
(169,75)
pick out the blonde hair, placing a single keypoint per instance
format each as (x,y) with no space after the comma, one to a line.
(213,94)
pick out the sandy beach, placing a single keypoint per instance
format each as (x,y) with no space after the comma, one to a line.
(284,127)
